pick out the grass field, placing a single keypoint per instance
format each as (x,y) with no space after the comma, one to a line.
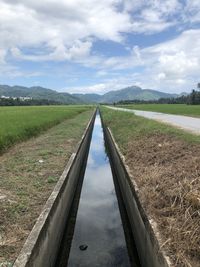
(181,109)
(28,173)
(20,123)
(164,162)
(135,127)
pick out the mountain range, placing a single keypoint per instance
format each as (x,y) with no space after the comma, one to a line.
(128,93)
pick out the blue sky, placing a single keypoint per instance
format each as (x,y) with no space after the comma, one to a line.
(94,46)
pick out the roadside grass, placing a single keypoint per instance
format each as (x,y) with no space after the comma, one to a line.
(20,123)
(164,162)
(28,172)
(179,109)
(132,126)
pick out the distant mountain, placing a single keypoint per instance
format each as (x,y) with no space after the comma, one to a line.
(89,98)
(184,94)
(38,92)
(128,93)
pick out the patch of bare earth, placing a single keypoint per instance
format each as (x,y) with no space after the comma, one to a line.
(28,174)
(167,172)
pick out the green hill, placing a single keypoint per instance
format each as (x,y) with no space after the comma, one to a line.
(129,93)
(38,92)
(89,98)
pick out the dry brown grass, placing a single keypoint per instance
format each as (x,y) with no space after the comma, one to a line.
(165,163)
(167,171)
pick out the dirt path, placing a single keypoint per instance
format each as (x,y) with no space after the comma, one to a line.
(189,124)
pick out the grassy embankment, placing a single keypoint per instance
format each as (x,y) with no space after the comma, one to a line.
(20,123)
(180,109)
(164,162)
(28,173)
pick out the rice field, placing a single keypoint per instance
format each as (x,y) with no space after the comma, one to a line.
(20,123)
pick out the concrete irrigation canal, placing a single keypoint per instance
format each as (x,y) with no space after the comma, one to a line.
(93,217)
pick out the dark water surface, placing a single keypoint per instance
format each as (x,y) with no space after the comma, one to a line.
(98,224)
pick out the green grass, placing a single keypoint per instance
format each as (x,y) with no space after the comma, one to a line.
(126,126)
(181,109)
(20,123)
(28,173)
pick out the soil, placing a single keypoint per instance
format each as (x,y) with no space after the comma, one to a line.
(167,172)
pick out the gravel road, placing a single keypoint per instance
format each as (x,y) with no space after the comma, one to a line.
(187,123)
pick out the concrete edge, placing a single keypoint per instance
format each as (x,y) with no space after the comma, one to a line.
(147,237)
(40,236)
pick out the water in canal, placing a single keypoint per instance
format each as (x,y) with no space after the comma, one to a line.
(98,234)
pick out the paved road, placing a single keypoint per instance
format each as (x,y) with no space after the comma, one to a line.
(184,122)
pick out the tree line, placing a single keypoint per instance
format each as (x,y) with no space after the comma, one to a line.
(191,99)
(28,102)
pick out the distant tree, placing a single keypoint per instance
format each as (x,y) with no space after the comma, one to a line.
(192,97)
(30,102)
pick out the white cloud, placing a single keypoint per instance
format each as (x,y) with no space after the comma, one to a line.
(101,73)
(77,51)
(150,16)
(161,76)
(192,11)
(179,57)
(63,28)
(2,56)
(66,30)
(172,66)
(98,88)
(178,63)
(55,27)
(108,85)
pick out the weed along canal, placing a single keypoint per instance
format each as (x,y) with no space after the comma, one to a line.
(97,235)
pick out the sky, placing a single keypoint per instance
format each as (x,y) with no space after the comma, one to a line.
(94,46)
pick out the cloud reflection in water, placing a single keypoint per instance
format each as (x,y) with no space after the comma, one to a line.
(98,223)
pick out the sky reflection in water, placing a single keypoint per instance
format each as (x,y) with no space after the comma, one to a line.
(98,223)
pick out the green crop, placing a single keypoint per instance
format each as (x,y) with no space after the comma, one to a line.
(21,123)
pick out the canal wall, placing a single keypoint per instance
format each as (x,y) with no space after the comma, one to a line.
(148,247)
(42,245)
